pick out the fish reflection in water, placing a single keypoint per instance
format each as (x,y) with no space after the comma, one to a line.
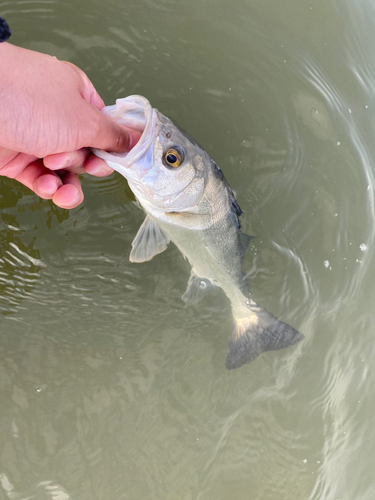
(187,200)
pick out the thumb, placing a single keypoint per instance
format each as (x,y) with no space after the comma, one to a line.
(112,136)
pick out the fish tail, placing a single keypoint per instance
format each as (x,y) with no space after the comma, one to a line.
(260,331)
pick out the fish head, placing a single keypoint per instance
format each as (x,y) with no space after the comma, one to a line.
(166,168)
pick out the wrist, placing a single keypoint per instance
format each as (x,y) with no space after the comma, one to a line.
(8,65)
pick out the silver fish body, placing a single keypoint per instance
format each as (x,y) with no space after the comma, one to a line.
(187,200)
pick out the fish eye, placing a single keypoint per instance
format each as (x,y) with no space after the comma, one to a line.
(174,157)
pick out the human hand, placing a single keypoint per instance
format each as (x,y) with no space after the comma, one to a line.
(49,116)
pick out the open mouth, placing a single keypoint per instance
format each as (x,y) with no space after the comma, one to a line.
(134,112)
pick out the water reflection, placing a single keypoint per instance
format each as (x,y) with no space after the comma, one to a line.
(20,260)
(110,386)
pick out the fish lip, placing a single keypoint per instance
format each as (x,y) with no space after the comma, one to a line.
(148,136)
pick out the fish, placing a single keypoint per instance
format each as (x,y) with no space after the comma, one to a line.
(188,201)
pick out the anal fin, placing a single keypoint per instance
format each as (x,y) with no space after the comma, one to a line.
(149,241)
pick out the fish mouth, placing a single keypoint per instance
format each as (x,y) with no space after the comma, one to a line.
(134,112)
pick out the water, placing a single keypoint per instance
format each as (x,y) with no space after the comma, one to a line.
(111,388)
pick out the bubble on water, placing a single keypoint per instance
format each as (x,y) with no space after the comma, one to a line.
(203,284)
(304,460)
(39,389)
(363,246)
(338,143)
(248,302)
(326,263)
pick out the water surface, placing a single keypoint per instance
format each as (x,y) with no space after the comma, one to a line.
(110,387)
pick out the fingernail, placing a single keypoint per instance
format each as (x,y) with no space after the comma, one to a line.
(50,190)
(66,164)
(77,199)
(99,170)
(48,185)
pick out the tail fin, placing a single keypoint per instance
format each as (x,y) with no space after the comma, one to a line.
(257,333)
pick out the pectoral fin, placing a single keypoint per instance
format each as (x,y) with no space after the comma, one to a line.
(149,241)
(197,289)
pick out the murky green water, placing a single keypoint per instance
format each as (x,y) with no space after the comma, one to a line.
(111,388)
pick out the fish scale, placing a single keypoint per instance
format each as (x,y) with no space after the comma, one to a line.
(187,200)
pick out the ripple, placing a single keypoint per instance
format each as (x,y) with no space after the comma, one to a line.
(20,271)
(109,375)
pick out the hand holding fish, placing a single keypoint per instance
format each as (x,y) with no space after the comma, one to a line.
(49,116)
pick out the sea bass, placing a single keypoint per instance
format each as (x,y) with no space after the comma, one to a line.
(187,200)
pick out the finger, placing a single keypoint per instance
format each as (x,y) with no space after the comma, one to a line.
(70,194)
(96,166)
(89,93)
(114,137)
(73,160)
(6,156)
(95,99)
(46,185)
(13,164)
(40,180)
